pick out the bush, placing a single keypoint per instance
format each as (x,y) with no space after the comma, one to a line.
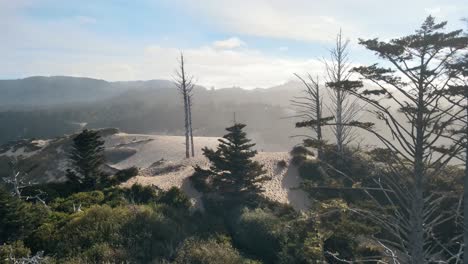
(175,198)
(18,219)
(73,202)
(256,233)
(310,170)
(278,239)
(16,250)
(98,224)
(104,253)
(142,194)
(123,176)
(52,190)
(153,233)
(282,164)
(210,251)
(301,151)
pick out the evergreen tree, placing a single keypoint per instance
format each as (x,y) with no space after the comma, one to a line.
(414,77)
(233,173)
(15,220)
(87,156)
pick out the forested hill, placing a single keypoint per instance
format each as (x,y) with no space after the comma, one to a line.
(62,90)
(45,107)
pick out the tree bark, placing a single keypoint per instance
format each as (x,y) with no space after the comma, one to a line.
(417,204)
(186,125)
(318,129)
(185,86)
(190,124)
(465,194)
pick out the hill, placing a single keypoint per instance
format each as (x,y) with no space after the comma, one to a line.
(160,160)
(48,107)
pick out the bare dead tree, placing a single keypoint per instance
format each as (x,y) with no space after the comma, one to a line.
(18,181)
(190,105)
(309,109)
(343,106)
(185,85)
(416,82)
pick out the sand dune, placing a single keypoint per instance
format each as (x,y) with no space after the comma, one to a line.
(161,160)
(281,188)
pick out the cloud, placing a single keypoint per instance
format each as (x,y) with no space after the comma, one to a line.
(230,43)
(85,20)
(70,46)
(297,20)
(225,68)
(318,21)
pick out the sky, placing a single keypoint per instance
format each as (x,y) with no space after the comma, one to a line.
(226,43)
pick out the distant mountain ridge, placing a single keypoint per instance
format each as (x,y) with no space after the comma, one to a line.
(62,90)
(47,107)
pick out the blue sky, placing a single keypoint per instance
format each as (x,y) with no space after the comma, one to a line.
(248,43)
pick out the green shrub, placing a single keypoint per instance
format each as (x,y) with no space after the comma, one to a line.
(16,250)
(98,224)
(282,164)
(278,239)
(46,236)
(310,170)
(104,253)
(151,233)
(121,176)
(256,233)
(126,174)
(18,219)
(81,199)
(142,194)
(210,251)
(300,151)
(175,197)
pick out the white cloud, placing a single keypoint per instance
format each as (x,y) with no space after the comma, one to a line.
(313,20)
(225,68)
(85,20)
(246,68)
(230,43)
(298,20)
(68,46)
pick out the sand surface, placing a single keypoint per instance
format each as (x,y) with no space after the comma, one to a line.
(161,160)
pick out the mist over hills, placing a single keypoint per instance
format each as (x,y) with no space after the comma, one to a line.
(39,91)
(46,107)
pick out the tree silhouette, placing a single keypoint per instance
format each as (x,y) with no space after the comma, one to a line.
(416,80)
(233,174)
(185,85)
(87,157)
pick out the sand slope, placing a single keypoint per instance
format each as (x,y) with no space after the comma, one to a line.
(160,158)
(281,188)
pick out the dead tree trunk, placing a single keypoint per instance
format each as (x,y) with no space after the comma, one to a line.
(185,85)
(465,193)
(344,108)
(309,108)
(190,104)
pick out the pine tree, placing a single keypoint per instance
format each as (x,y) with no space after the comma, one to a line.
(457,94)
(233,173)
(414,77)
(15,221)
(87,156)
